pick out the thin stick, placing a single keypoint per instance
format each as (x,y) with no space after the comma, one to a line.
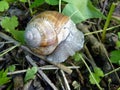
(44,76)
(8,38)
(59,78)
(47,67)
(65,80)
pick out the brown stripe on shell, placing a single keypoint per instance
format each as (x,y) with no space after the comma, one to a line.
(56,18)
(49,36)
(44,50)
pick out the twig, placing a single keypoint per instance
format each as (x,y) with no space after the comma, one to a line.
(91,60)
(103,10)
(8,38)
(59,78)
(47,67)
(65,80)
(29,59)
(79,74)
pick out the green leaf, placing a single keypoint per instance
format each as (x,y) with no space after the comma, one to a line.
(3,77)
(3,6)
(52,2)
(73,12)
(98,73)
(81,10)
(76,85)
(115,57)
(4,80)
(92,81)
(9,23)
(77,57)
(119,34)
(37,3)
(118,88)
(23,1)
(68,1)
(18,35)
(30,74)
(10,1)
(11,68)
(118,44)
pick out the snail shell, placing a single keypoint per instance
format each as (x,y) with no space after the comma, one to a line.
(53,35)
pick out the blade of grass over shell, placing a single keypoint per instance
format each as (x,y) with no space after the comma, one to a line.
(59,6)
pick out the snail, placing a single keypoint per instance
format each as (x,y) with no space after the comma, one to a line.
(53,35)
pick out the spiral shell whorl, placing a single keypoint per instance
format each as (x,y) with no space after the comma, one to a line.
(32,35)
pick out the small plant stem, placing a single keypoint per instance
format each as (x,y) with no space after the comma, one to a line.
(108,29)
(108,21)
(117,69)
(59,6)
(90,72)
(29,3)
(9,49)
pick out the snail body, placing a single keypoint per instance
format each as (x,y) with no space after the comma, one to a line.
(54,36)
